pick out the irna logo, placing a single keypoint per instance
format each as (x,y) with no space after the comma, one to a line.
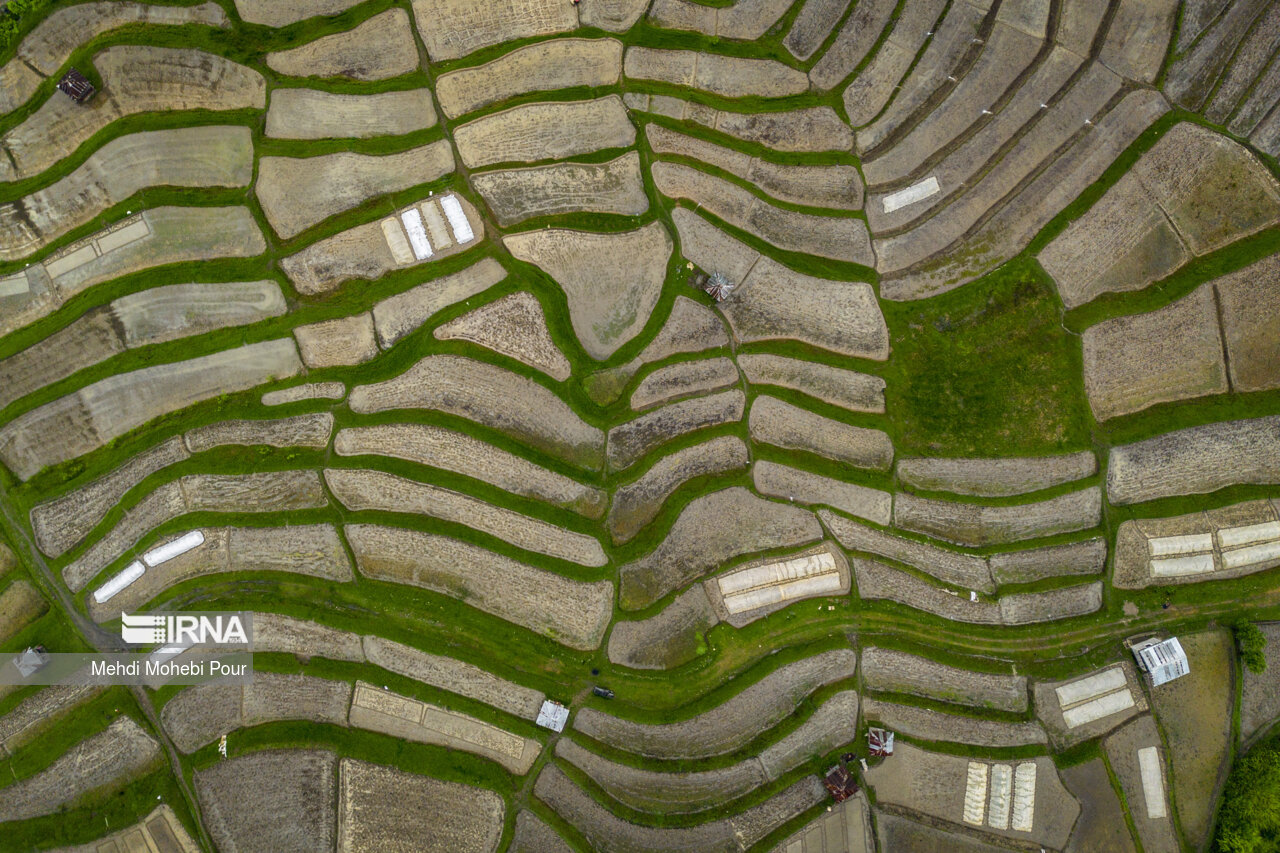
(186,629)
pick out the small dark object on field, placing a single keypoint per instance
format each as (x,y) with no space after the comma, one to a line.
(848,756)
(602,692)
(76,87)
(595,671)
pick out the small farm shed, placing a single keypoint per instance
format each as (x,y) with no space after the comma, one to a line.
(553,716)
(76,87)
(879,742)
(1163,660)
(840,783)
(31,661)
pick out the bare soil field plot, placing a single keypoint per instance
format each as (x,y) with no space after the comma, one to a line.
(1174,353)
(343,341)
(684,379)
(533,835)
(151,316)
(1062,603)
(667,640)
(775,302)
(1090,704)
(1149,808)
(281,800)
(20,605)
(312,430)
(1101,827)
(612,281)
(848,824)
(185,157)
(995,477)
(664,792)
(399,315)
(39,712)
(729,726)
(452,29)
(931,725)
(1088,557)
(965,570)
(545,131)
(113,756)
(709,532)
(86,420)
(275,632)
(746,20)
(489,395)
(638,502)
(557,64)
(1212,191)
(898,672)
(898,833)
(876,580)
(380,48)
(464,454)
(305,391)
(571,612)
(837,238)
(161,830)
(138,80)
(1196,460)
(409,719)
(515,326)
(727,76)
(362,252)
(615,187)
(275,13)
(975,525)
(375,490)
(306,549)
(1260,701)
(312,114)
(163,235)
(837,187)
(62,522)
(46,48)
(610,834)
(775,422)
(856,38)
(1195,713)
(812,26)
(297,193)
(834,724)
(782,481)
(857,392)
(1250,306)
(1137,38)
(453,675)
(382,808)
(631,441)
(810,129)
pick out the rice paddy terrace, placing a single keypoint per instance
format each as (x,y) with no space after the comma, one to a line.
(788,367)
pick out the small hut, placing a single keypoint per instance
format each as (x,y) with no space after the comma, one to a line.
(1163,660)
(879,742)
(718,286)
(76,87)
(31,661)
(840,783)
(553,716)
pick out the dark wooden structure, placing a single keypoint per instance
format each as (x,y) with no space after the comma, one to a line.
(76,87)
(840,783)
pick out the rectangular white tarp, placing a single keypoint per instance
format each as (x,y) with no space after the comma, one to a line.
(1172,567)
(1152,782)
(1090,686)
(128,575)
(751,599)
(774,573)
(911,195)
(169,550)
(457,219)
(1248,556)
(1168,546)
(1096,709)
(1001,788)
(975,793)
(1230,537)
(1024,797)
(412,220)
(396,241)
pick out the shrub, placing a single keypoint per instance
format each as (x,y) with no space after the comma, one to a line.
(1251,642)
(1249,820)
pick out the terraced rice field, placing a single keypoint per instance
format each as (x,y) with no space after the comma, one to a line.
(786,367)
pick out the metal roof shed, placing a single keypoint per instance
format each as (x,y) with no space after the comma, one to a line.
(553,716)
(1163,660)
